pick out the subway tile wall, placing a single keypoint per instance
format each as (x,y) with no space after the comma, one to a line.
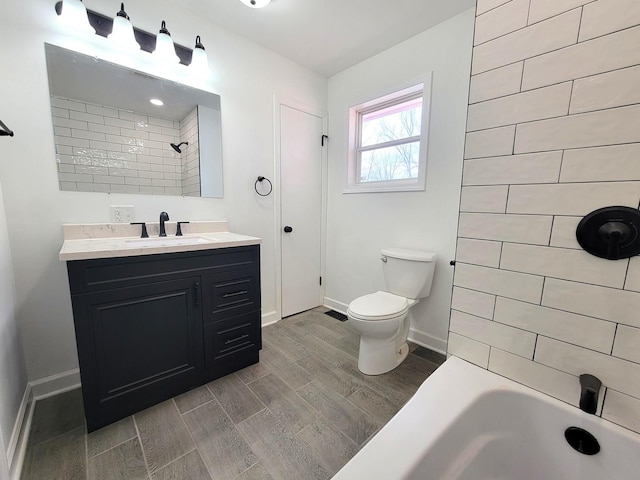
(190,174)
(102,149)
(553,132)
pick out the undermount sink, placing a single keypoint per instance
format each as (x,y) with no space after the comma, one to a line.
(167,241)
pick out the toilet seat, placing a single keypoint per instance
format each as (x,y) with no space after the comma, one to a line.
(378,306)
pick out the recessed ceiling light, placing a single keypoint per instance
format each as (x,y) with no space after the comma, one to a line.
(157,101)
(256,3)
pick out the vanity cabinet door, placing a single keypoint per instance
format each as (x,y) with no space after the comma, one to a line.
(138,346)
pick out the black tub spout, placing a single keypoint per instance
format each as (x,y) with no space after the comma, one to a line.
(590,387)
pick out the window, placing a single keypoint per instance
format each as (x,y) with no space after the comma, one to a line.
(388,142)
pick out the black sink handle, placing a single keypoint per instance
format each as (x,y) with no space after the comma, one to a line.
(179,229)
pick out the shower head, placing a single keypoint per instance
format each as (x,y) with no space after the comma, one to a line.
(177,147)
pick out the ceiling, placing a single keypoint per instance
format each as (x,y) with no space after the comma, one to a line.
(328,36)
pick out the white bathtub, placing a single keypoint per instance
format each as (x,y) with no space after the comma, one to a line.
(466,423)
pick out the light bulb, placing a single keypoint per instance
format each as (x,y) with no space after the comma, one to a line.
(122,32)
(256,3)
(165,50)
(199,60)
(74,15)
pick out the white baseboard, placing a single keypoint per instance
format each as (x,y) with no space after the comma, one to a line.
(18,443)
(55,384)
(270,318)
(428,341)
(335,305)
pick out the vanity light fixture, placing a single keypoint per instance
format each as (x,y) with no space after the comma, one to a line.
(165,50)
(199,60)
(157,102)
(256,3)
(74,14)
(122,32)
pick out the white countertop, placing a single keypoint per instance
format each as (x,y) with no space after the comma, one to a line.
(109,240)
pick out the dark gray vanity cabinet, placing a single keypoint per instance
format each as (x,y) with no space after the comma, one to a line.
(154,326)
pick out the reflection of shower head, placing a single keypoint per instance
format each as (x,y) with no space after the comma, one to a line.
(177,147)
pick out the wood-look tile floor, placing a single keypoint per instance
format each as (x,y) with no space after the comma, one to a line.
(301,413)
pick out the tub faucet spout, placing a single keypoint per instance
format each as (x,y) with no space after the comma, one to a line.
(164,216)
(590,387)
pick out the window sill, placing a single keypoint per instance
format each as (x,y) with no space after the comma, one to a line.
(383,188)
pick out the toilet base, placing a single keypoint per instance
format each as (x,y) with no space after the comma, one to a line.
(378,357)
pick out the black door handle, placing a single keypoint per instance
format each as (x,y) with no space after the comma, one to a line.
(288,229)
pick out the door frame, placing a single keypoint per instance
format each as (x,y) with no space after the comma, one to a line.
(279,101)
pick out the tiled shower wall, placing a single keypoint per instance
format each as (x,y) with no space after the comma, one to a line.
(553,130)
(102,149)
(190,155)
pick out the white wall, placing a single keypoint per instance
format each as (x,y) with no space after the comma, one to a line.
(554,133)
(244,74)
(361,224)
(13,380)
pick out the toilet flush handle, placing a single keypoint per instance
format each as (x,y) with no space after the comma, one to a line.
(383,258)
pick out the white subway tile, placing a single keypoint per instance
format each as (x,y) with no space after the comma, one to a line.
(86,117)
(158,137)
(491,199)
(531,229)
(66,168)
(602,54)
(579,330)
(71,142)
(633,275)
(618,306)
(118,188)
(154,144)
(593,129)
(613,372)
(96,127)
(157,129)
(476,303)
(495,334)
(68,186)
(108,179)
(132,189)
(622,409)
(543,9)
(87,134)
(468,349)
(161,122)
(64,150)
(62,131)
(555,383)
(502,20)
(606,90)
(600,164)
(563,263)
(66,122)
(551,34)
(132,117)
(116,122)
(490,143)
(513,169)
(91,169)
(478,252)
(85,187)
(137,181)
(75,177)
(125,172)
(486,5)
(536,104)
(496,83)
(138,134)
(102,111)
(520,286)
(101,187)
(95,144)
(134,149)
(151,174)
(606,16)
(170,131)
(60,112)
(68,104)
(563,232)
(571,198)
(627,343)
(121,156)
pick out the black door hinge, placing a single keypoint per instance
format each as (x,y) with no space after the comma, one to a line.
(323,138)
(320,280)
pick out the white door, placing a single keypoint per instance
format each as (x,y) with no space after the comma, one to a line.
(301,209)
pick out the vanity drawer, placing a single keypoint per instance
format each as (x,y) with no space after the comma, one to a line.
(108,273)
(233,341)
(230,294)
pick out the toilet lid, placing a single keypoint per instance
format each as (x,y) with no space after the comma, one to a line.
(378,306)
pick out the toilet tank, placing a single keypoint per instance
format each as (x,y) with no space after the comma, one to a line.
(408,273)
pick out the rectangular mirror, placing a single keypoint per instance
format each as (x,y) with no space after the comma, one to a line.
(112,135)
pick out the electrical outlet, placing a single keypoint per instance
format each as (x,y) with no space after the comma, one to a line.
(121,213)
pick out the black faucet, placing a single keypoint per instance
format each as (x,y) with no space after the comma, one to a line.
(164,216)
(589,389)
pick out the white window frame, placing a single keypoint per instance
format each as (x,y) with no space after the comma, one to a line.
(411,184)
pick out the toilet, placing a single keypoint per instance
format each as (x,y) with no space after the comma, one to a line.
(382,319)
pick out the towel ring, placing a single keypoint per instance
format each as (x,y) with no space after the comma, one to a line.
(260,179)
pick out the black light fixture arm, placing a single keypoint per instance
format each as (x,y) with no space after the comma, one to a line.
(5,131)
(104,25)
